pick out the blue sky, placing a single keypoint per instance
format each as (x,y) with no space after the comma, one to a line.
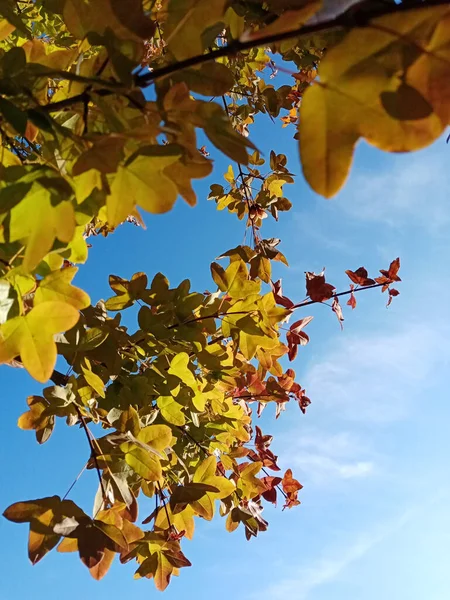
(372,451)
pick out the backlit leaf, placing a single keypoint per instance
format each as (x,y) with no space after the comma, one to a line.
(144,183)
(57,287)
(31,337)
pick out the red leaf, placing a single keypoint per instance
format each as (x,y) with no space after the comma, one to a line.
(316,287)
(392,293)
(278,294)
(360,277)
(299,325)
(291,488)
(391,274)
(352,301)
(271,493)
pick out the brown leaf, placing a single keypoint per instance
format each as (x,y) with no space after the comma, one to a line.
(102,567)
(360,277)
(316,287)
(391,274)
(392,293)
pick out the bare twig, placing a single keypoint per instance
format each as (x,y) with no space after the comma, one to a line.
(91,439)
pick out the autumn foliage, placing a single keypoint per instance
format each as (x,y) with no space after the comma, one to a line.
(110,110)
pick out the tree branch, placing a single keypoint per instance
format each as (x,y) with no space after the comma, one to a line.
(346,293)
(352,18)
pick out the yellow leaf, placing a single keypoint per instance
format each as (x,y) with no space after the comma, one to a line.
(142,182)
(239,286)
(183,521)
(8,158)
(356,92)
(93,379)
(31,337)
(57,286)
(185,169)
(179,368)
(186,21)
(37,222)
(36,51)
(156,436)
(170,410)
(229,175)
(143,463)
(250,485)
(206,473)
(430,73)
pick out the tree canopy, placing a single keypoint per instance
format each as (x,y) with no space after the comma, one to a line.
(102,106)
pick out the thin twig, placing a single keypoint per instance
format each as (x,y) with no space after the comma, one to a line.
(90,439)
(347,293)
(248,198)
(75,481)
(164,503)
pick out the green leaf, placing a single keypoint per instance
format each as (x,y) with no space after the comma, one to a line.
(8,297)
(13,62)
(16,117)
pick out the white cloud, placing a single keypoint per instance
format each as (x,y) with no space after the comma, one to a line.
(320,458)
(414,188)
(378,377)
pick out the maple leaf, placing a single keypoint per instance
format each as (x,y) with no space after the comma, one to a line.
(31,337)
(337,112)
(316,287)
(56,287)
(291,488)
(360,277)
(296,337)
(143,182)
(38,222)
(391,274)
